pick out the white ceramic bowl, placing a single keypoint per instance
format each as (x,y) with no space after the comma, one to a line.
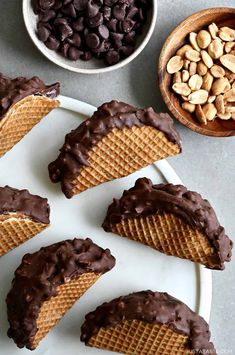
(93,66)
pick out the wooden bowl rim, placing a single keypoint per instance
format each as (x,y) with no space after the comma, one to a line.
(163,88)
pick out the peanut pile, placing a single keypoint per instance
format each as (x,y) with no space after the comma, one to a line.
(204,73)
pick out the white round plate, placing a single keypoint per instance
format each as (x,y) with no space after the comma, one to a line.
(94,66)
(138,267)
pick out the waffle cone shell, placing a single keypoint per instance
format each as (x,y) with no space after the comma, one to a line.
(135,337)
(121,153)
(21,118)
(16,229)
(170,235)
(55,308)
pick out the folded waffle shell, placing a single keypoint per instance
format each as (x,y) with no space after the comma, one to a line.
(17,228)
(134,337)
(22,117)
(116,141)
(172,220)
(48,283)
(170,235)
(55,308)
(147,323)
(121,153)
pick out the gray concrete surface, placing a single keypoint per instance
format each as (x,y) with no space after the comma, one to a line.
(206,164)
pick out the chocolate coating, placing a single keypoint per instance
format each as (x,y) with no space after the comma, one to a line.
(155,308)
(21,201)
(145,199)
(37,278)
(14,90)
(75,151)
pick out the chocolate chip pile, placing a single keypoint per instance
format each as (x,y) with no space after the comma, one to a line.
(82,29)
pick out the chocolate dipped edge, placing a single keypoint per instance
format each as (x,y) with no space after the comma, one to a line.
(14,90)
(22,201)
(78,143)
(154,308)
(37,278)
(146,199)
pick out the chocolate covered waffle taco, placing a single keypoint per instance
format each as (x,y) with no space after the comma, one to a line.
(47,284)
(172,220)
(22,216)
(147,323)
(23,103)
(116,141)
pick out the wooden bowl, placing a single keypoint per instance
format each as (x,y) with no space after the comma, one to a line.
(221,16)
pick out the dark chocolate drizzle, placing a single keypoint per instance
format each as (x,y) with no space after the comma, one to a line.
(145,199)
(14,90)
(37,278)
(155,308)
(75,151)
(21,201)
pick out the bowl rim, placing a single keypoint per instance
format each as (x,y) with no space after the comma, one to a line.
(110,68)
(164,92)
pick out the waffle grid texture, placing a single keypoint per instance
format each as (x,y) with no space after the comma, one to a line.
(21,118)
(55,308)
(16,229)
(135,337)
(121,153)
(168,234)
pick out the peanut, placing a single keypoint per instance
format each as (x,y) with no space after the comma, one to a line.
(188,107)
(174,64)
(203,39)
(195,82)
(193,56)
(209,111)
(198,97)
(217,71)
(207,59)
(181,89)
(200,114)
(227,34)
(201,68)
(215,49)
(228,60)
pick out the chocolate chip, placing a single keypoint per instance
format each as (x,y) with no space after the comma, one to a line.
(60,21)
(80,5)
(79,24)
(65,31)
(125,51)
(64,49)
(107,13)
(132,12)
(46,16)
(69,10)
(75,40)
(96,20)
(103,31)
(46,4)
(86,56)
(119,12)
(130,38)
(43,33)
(109,2)
(103,47)
(92,40)
(92,9)
(127,25)
(74,53)
(112,24)
(57,5)
(52,43)
(112,57)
